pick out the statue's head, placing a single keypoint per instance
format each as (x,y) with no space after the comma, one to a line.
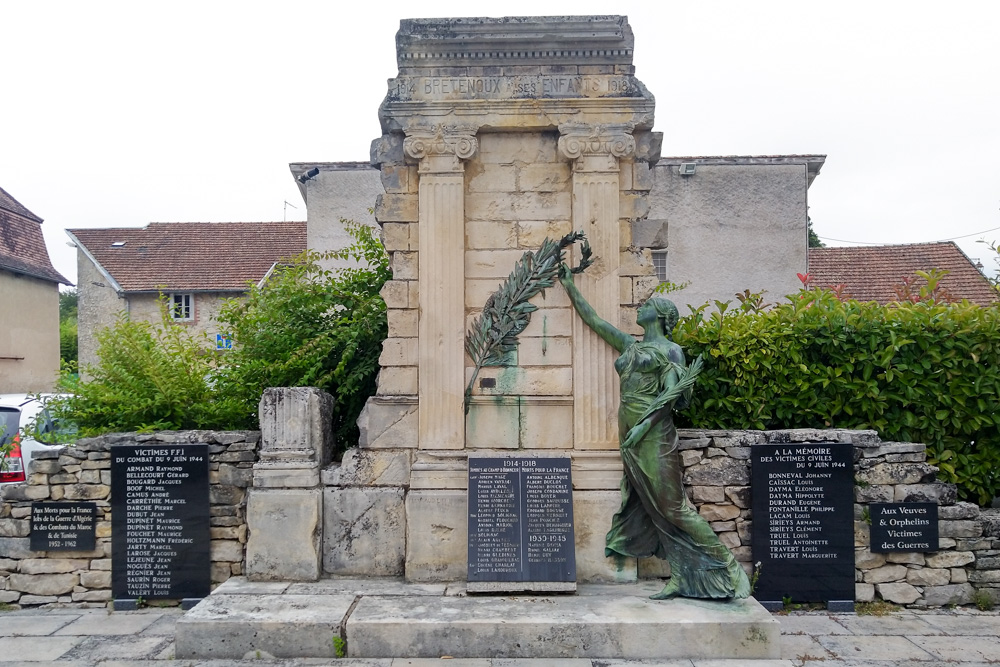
(666,313)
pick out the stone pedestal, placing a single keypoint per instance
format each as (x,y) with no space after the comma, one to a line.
(285,505)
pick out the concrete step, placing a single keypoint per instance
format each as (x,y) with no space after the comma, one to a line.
(392,619)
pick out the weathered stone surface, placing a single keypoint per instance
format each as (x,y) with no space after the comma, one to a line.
(226,551)
(739,496)
(43,584)
(388,423)
(950,559)
(866,560)
(938,492)
(940,596)
(592,512)
(284,534)
(285,626)
(905,558)
(14,527)
(712,512)
(960,528)
(231,475)
(898,593)
(708,494)
(96,579)
(370,467)
(54,565)
(873,493)
(15,547)
(690,457)
(885,573)
(991,522)
(364,531)
(977,576)
(897,473)
(960,510)
(864,592)
(23,492)
(294,420)
(718,472)
(437,535)
(564,627)
(926,576)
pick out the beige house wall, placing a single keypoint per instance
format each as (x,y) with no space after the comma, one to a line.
(100,306)
(29,336)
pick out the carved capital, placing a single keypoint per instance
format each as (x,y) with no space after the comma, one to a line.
(580,140)
(446,141)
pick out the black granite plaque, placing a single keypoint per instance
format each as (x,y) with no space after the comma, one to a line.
(904,527)
(159,521)
(803,521)
(521,521)
(63,526)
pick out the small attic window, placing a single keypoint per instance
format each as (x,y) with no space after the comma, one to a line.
(118,244)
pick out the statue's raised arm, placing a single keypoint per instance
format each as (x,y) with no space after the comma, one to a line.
(612,335)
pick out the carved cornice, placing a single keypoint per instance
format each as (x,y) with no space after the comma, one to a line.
(582,140)
(441,141)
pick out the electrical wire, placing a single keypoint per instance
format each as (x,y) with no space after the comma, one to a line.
(953,238)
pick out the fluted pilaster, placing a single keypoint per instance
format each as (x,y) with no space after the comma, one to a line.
(441,267)
(595,151)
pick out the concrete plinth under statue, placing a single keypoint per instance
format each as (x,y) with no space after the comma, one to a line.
(386,618)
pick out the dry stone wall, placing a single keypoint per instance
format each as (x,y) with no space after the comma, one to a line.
(82,472)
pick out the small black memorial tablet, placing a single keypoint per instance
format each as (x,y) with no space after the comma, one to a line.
(159,522)
(803,522)
(63,526)
(909,527)
(521,525)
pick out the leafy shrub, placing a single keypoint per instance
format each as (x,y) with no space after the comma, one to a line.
(311,327)
(920,372)
(150,377)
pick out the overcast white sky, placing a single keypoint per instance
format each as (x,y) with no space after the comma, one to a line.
(124,113)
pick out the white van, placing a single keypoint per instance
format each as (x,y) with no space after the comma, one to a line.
(27,423)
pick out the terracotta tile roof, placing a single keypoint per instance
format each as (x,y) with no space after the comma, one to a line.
(22,248)
(195,256)
(872,272)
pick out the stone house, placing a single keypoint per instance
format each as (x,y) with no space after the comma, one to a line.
(873,273)
(196,266)
(718,225)
(29,302)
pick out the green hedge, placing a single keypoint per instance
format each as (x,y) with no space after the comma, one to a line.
(915,372)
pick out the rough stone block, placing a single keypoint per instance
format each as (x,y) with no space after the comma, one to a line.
(899,593)
(518,206)
(906,558)
(897,473)
(226,551)
(950,559)
(718,471)
(874,493)
(708,494)
(396,236)
(285,531)
(437,535)
(866,560)
(926,576)
(592,512)
(296,419)
(405,265)
(98,579)
(370,467)
(396,208)
(960,528)
(396,294)
(886,573)
(364,532)
(481,177)
(14,527)
(493,425)
(938,492)
(523,147)
(962,510)
(941,596)
(388,423)
(52,565)
(43,584)
(712,512)
(551,177)
(864,592)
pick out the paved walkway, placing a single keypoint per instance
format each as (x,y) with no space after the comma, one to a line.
(144,638)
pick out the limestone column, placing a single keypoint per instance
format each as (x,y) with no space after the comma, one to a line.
(595,151)
(441,270)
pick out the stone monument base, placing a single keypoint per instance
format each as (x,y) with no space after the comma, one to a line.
(388,619)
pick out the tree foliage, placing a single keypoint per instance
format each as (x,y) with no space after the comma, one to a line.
(308,326)
(814,240)
(68,345)
(925,371)
(305,327)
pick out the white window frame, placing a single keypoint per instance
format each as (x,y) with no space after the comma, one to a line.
(185,302)
(660,264)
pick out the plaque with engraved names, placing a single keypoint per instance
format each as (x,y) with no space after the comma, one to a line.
(159,521)
(521,525)
(803,521)
(63,526)
(911,527)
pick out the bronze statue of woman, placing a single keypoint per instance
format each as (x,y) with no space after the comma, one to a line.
(656,518)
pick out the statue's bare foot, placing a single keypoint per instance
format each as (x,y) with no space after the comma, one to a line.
(669,591)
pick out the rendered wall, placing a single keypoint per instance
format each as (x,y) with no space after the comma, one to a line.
(98,307)
(728,228)
(29,336)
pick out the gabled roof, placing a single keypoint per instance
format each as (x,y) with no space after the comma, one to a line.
(191,256)
(22,247)
(871,273)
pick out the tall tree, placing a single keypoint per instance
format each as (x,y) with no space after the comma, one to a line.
(814,241)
